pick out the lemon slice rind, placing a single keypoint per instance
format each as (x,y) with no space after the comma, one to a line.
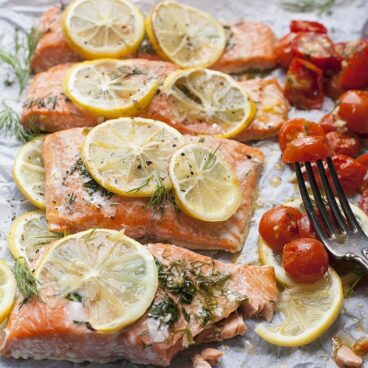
(29,173)
(205,188)
(115,276)
(216,98)
(112,29)
(184,35)
(8,289)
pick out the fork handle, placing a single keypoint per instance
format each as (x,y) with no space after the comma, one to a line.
(360,259)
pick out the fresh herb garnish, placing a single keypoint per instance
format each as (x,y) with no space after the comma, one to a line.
(144,184)
(160,196)
(322,6)
(210,159)
(74,297)
(26,282)
(19,60)
(166,311)
(10,123)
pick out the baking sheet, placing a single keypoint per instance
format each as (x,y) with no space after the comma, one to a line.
(344,23)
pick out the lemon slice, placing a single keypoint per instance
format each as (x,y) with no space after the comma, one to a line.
(205,185)
(8,288)
(129,156)
(28,234)
(113,276)
(111,88)
(29,173)
(100,29)
(304,312)
(203,95)
(184,35)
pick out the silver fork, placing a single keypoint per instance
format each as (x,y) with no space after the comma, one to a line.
(344,237)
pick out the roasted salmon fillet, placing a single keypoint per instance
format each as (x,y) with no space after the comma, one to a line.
(74,202)
(271,112)
(52,49)
(49,108)
(39,331)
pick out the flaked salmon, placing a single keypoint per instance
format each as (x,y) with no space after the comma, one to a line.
(271,112)
(52,49)
(250,46)
(39,331)
(74,202)
(49,108)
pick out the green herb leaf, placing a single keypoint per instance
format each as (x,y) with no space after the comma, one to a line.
(166,311)
(322,6)
(210,160)
(27,284)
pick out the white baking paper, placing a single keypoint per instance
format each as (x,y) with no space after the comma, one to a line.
(344,23)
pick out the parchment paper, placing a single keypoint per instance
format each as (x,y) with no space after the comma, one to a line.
(249,351)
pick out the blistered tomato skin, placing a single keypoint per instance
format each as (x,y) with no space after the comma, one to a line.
(279,226)
(306,149)
(283,49)
(307,26)
(344,143)
(297,128)
(353,108)
(305,260)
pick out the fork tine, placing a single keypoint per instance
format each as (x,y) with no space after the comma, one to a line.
(318,198)
(331,198)
(321,233)
(342,198)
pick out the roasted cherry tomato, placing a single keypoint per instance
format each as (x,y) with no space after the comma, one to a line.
(306,149)
(279,226)
(333,86)
(304,85)
(297,128)
(363,202)
(307,26)
(283,49)
(305,260)
(330,122)
(318,49)
(353,109)
(343,143)
(355,75)
(350,172)
(306,229)
(363,159)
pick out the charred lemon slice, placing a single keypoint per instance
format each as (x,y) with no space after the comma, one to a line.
(130,156)
(112,276)
(205,185)
(184,35)
(203,95)
(101,29)
(110,88)
(29,173)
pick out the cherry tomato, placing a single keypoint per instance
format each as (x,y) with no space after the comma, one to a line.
(297,128)
(363,202)
(306,149)
(304,85)
(283,49)
(318,49)
(305,260)
(349,171)
(343,143)
(363,159)
(307,26)
(333,87)
(355,75)
(306,229)
(279,226)
(330,122)
(353,109)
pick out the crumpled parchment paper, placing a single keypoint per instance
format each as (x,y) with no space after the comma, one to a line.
(344,23)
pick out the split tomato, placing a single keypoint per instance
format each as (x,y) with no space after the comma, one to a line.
(307,26)
(343,143)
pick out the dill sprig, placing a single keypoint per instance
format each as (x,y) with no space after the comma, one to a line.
(19,60)
(10,123)
(210,159)
(160,196)
(27,284)
(322,6)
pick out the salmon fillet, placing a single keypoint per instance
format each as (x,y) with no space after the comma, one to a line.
(271,109)
(271,113)
(92,207)
(250,45)
(39,331)
(50,109)
(52,49)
